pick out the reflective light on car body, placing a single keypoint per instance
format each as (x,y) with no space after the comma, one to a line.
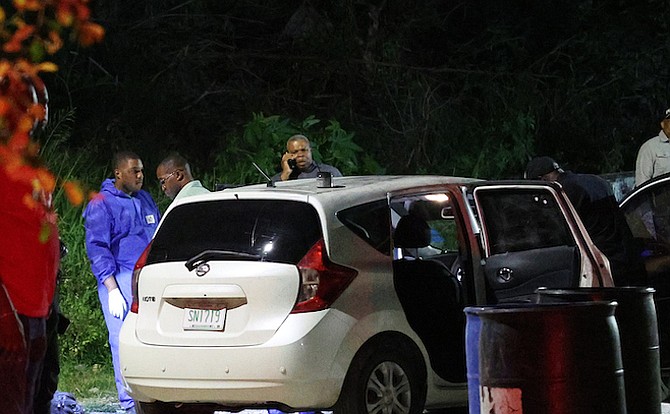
(440,198)
(309,279)
(542,200)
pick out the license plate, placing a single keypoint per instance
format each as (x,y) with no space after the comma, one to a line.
(204,319)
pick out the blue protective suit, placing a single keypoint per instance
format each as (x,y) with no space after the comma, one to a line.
(118,229)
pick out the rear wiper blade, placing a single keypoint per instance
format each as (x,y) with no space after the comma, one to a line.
(207,255)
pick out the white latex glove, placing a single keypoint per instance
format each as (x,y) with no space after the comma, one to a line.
(117,304)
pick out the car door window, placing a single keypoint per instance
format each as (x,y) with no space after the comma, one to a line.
(529,243)
(436,211)
(522,220)
(648,216)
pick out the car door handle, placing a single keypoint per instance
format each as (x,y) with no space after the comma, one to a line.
(504,274)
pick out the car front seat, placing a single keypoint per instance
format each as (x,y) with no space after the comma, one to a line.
(431,298)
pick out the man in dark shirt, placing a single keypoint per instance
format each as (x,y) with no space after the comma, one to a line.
(297,161)
(594,201)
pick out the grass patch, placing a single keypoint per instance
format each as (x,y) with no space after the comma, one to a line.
(93,386)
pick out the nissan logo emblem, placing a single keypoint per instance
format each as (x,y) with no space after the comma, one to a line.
(202,269)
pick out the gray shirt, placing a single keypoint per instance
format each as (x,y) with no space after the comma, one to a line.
(653,159)
(193,188)
(311,172)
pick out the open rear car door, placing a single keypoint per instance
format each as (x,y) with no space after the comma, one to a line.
(533,238)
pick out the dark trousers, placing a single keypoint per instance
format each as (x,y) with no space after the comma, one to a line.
(48,381)
(21,366)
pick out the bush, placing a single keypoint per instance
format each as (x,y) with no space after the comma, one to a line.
(263,141)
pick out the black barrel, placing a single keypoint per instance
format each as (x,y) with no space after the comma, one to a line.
(638,331)
(551,359)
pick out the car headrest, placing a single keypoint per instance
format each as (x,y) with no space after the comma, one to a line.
(411,232)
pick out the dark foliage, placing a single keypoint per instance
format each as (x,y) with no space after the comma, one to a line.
(468,87)
(441,86)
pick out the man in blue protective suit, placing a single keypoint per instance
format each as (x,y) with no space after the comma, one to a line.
(120,222)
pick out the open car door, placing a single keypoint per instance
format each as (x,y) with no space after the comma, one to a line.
(532,238)
(647,211)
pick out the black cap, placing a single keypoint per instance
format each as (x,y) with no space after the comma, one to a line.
(539,166)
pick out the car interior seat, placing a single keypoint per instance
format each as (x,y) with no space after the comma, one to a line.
(431,298)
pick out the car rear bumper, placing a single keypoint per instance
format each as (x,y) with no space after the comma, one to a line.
(294,368)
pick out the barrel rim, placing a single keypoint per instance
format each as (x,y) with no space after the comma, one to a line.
(622,290)
(538,307)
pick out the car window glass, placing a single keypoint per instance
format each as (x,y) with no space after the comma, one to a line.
(443,233)
(370,222)
(265,230)
(522,219)
(648,217)
(435,210)
(648,214)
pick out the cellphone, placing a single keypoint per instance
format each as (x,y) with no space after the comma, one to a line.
(292,163)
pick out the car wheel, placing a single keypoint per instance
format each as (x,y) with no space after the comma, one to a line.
(385,378)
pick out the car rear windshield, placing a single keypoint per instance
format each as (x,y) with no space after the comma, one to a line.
(261,230)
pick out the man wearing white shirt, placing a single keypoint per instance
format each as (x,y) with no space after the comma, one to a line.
(653,158)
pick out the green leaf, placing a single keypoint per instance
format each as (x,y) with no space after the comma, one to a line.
(36,51)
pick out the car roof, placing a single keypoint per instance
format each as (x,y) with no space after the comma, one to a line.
(346,191)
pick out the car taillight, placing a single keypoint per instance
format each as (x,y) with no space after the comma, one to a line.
(321,281)
(136,277)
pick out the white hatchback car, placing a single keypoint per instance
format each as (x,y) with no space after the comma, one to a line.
(347,298)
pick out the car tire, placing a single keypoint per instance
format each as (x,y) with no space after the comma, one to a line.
(385,376)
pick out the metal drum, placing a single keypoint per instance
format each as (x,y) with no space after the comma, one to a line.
(638,331)
(551,359)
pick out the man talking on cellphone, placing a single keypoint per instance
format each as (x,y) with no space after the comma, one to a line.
(297,161)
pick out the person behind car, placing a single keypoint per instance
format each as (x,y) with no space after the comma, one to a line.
(175,177)
(297,161)
(594,201)
(119,222)
(653,157)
